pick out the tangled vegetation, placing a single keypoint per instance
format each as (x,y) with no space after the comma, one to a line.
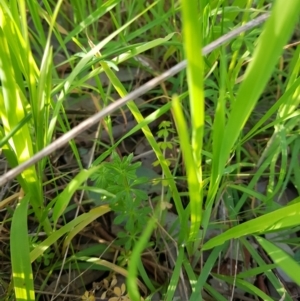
(118,186)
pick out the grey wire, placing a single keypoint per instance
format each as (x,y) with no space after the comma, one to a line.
(64,139)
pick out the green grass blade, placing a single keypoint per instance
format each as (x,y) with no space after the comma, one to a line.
(5,139)
(132,287)
(246,286)
(291,90)
(277,31)
(191,171)
(282,259)
(12,111)
(192,32)
(96,15)
(279,219)
(215,294)
(269,274)
(219,123)
(19,250)
(68,228)
(175,275)
(93,214)
(205,272)
(218,137)
(64,197)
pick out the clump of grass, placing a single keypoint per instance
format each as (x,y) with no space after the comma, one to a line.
(210,105)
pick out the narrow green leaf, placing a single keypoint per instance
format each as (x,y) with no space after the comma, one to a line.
(93,214)
(282,259)
(192,34)
(19,250)
(175,275)
(55,236)
(276,33)
(205,272)
(64,197)
(282,218)
(191,170)
(276,283)
(192,29)
(135,259)
(245,286)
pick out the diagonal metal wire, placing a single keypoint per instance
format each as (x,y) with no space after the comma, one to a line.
(61,141)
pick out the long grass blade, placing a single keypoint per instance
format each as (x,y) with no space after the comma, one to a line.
(19,249)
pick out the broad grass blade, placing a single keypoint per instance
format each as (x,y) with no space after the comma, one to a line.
(19,250)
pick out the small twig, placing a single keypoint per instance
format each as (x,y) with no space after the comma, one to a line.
(61,141)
